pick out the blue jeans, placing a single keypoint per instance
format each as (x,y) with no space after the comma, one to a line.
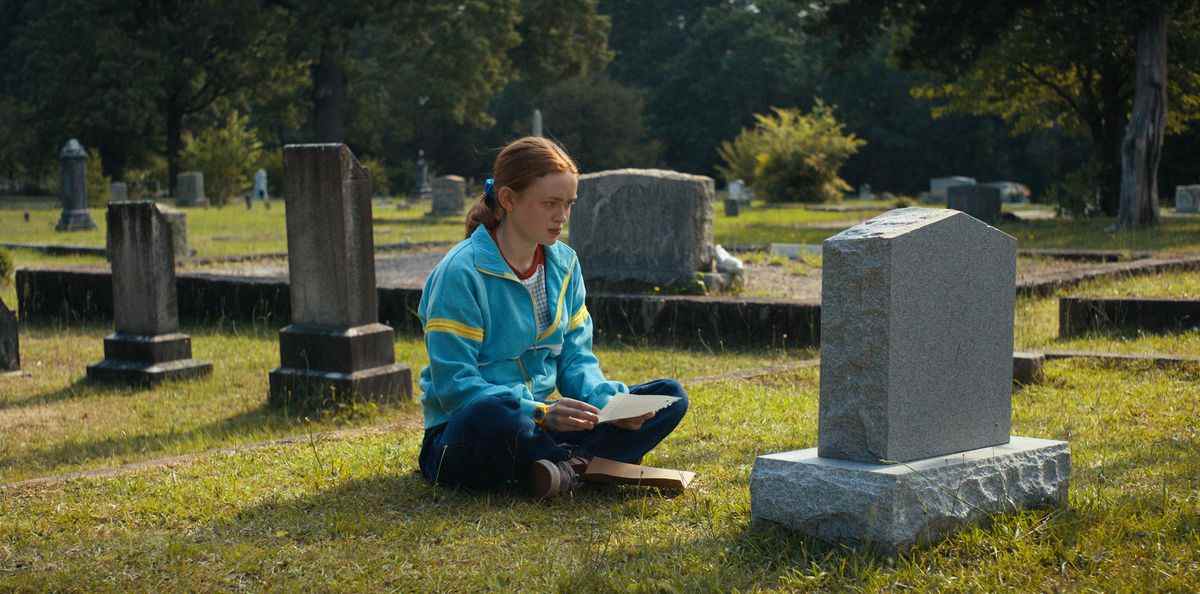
(489,443)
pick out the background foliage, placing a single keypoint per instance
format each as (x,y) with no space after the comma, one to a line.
(936,87)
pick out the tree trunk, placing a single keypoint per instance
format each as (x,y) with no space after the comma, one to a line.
(1142,147)
(329,96)
(174,144)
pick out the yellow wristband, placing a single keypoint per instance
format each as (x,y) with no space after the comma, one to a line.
(539,413)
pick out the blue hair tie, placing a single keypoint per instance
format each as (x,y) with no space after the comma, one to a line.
(489,192)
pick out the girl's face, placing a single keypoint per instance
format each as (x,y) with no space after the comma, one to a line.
(539,213)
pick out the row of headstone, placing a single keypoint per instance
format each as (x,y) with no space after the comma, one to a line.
(335,349)
(915,393)
(1187,198)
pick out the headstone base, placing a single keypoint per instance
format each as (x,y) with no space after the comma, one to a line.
(306,389)
(75,220)
(142,360)
(324,365)
(896,506)
(191,203)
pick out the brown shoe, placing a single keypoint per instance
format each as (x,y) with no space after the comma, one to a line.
(550,479)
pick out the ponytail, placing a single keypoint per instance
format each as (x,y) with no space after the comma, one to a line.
(482,214)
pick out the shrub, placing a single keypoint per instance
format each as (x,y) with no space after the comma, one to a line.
(99,186)
(792,156)
(6,268)
(227,156)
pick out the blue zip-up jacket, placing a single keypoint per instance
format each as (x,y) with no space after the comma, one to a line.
(481,333)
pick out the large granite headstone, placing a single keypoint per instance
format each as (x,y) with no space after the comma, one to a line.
(981,202)
(643,226)
(916,387)
(449,195)
(1187,198)
(73,166)
(335,349)
(10,342)
(189,189)
(147,346)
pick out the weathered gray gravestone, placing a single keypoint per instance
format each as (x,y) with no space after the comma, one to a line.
(189,189)
(422,188)
(449,195)
(537,122)
(1187,198)
(916,387)
(732,207)
(10,342)
(75,216)
(147,346)
(981,202)
(118,192)
(643,226)
(335,349)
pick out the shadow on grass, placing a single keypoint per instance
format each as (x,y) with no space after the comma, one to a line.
(262,421)
(77,389)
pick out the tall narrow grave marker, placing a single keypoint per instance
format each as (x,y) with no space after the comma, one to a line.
(147,346)
(335,349)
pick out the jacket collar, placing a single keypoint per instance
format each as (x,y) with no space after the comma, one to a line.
(488,258)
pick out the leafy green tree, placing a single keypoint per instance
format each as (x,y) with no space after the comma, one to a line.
(600,122)
(792,156)
(121,71)
(99,186)
(709,67)
(1036,64)
(227,156)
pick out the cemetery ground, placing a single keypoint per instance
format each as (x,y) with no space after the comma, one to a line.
(340,507)
(199,486)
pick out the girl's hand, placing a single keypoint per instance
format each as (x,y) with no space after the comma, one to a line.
(633,423)
(568,414)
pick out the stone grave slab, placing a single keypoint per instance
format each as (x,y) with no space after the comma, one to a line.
(335,349)
(981,202)
(916,387)
(643,226)
(449,195)
(147,346)
(189,189)
(118,192)
(897,506)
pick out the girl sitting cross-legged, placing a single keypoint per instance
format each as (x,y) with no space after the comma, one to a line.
(506,327)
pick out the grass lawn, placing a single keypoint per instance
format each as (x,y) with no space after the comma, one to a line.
(349,514)
(233,230)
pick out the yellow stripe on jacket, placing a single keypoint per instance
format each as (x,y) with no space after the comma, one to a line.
(578,319)
(455,328)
